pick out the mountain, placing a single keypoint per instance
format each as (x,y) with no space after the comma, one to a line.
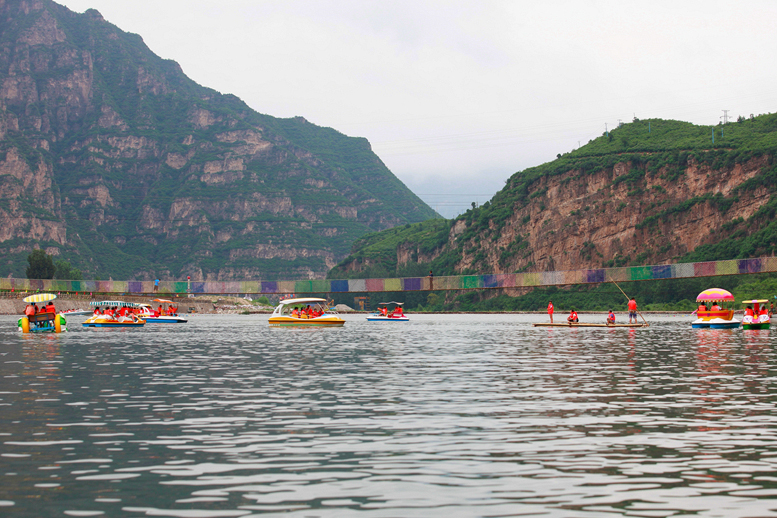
(112,158)
(649,192)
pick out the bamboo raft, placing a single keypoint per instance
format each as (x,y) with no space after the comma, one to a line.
(582,324)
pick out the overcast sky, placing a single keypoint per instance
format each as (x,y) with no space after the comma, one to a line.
(457,96)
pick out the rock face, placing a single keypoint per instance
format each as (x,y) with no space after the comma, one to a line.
(605,205)
(113,159)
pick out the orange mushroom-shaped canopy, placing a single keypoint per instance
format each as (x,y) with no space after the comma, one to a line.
(714,294)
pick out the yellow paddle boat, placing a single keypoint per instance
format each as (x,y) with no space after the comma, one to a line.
(109,316)
(305,312)
(43,319)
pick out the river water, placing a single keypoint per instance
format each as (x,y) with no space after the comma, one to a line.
(447,415)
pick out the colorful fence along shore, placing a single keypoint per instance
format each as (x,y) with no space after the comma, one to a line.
(458,282)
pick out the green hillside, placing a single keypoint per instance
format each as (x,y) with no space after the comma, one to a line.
(656,151)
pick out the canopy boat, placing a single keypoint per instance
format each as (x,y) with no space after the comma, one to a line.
(714,316)
(294,312)
(758,316)
(44,320)
(167,314)
(387,313)
(110,317)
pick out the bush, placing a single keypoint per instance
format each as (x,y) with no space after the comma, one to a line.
(41,265)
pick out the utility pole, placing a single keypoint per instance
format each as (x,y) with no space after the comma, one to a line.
(725,116)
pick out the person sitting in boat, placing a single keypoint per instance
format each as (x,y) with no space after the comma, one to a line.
(159,311)
(749,311)
(572,316)
(763,311)
(701,308)
(715,307)
(29,310)
(173,311)
(97,310)
(295,312)
(610,318)
(384,311)
(49,308)
(397,312)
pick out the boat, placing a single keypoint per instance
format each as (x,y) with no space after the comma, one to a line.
(43,321)
(75,312)
(394,314)
(721,318)
(148,314)
(102,320)
(584,324)
(756,321)
(327,316)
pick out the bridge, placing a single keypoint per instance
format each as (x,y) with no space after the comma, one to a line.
(454,282)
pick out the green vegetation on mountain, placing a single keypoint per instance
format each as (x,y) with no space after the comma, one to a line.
(141,172)
(648,163)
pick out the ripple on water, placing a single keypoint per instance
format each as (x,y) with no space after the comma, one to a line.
(453,415)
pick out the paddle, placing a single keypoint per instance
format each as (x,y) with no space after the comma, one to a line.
(627,298)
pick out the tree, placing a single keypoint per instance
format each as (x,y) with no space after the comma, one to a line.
(41,265)
(66,271)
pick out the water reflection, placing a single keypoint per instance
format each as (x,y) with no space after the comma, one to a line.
(452,415)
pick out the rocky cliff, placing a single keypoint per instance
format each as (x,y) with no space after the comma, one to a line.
(113,159)
(651,192)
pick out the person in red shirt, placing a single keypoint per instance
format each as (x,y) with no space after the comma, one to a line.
(572,318)
(632,310)
(550,310)
(610,318)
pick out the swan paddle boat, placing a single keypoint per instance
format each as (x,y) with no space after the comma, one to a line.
(168,314)
(757,316)
(294,312)
(109,316)
(387,313)
(714,316)
(44,320)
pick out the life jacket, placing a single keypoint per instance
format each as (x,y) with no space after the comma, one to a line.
(29,310)
(749,312)
(573,316)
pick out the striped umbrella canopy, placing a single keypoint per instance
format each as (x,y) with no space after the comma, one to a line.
(714,294)
(40,297)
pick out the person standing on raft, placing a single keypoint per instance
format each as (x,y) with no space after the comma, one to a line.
(633,310)
(550,310)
